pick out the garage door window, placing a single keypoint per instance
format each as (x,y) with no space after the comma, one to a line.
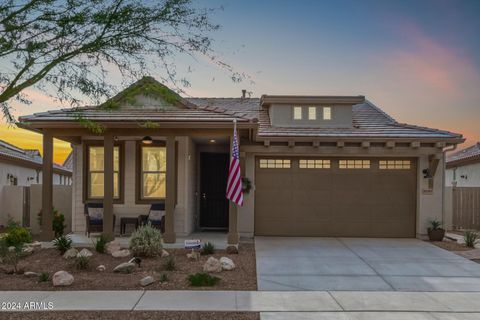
(275,163)
(394,164)
(354,164)
(314,164)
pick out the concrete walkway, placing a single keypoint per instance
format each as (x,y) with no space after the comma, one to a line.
(276,302)
(361,264)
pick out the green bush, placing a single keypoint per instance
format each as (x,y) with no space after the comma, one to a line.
(202,279)
(11,255)
(82,262)
(58,222)
(170,264)
(62,244)
(43,277)
(208,248)
(435,224)
(146,241)
(470,238)
(101,244)
(16,235)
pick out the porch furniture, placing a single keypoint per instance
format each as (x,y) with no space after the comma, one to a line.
(127,220)
(156,217)
(95,224)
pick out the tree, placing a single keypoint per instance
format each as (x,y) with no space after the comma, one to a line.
(70,46)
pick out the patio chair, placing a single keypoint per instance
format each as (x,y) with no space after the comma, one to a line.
(94,217)
(156,217)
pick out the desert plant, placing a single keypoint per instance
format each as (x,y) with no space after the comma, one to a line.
(163,277)
(82,262)
(16,235)
(62,244)
(470,238)
(146,241)
(58,222)
(202,279)
(43,277)
(208,248)
(11,255)
(435,224)
(170,264)
(101,244)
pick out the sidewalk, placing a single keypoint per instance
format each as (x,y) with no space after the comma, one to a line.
(331,302)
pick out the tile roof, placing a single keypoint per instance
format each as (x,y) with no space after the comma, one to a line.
(467,154)
(14,153)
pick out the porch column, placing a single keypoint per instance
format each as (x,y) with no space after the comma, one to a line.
(47,187)
(171,189)
(233,237)
(108,187)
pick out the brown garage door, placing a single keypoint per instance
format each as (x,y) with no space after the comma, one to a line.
(348,197)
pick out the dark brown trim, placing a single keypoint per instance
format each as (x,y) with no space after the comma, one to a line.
(85,159)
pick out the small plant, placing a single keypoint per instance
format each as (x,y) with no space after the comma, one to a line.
(208,248)
(470,238)
(163,277)
(11,254)
(202,279)
(82,262)
(170,264)
(101,244)
(146,241)
(435,224)
(16,235)
(62,244)
(43,277)
(58,222)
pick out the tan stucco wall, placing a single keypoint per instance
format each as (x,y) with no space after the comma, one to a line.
(11,204)
(281,115)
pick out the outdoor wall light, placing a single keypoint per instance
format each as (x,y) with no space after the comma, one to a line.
(212,141)
(464,176)
(427,173)
(147,140)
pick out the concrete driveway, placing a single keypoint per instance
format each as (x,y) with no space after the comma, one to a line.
(359,264)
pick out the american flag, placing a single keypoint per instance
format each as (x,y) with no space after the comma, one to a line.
(234,186)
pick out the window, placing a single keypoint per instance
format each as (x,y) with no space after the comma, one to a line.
(327,113)
(297,113)
(312,113)
(314,164)
(95,172)
(275,163)
(152,175)
(354,164)
(394,164)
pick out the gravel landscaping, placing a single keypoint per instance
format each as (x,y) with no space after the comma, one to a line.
(243,277)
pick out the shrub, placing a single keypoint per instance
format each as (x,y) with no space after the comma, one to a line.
(208,248)
(82,262)
(43,277)
(58,222)
(146,241)
(62,244)
(11,255)
(435,224)
(16,235)
(202,279)
(163,277)
(470,238)
(101,244)
(170,264)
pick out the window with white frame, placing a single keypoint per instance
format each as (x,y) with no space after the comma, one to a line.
(327,113)
(297,113)
(312,113)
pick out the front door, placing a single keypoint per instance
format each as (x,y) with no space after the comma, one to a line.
(213,185)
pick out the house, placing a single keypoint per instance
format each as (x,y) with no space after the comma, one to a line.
(316,165)
(463,168)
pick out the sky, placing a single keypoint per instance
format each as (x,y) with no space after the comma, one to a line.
(417,60)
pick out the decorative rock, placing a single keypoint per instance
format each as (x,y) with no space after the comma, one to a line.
(121,253)
(11,249)
(212,265)
(85,253)
(113,246)
(164,253)
(125,267)
(70,253)
(101,268)
(232,249)
(147,281)
(35,244)
(194,255)
(31,274)
(62,278)
(227,263)
(27,250)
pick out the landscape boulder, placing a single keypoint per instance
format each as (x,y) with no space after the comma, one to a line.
(101,268)
(70,253)
(113,246)
(121,253)
(227,263)
(147,281)
(164,253)
(31,274)
(62,278)
(125,267)
(85,253)
(212,265)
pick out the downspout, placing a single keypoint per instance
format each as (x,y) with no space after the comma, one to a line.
(445,150)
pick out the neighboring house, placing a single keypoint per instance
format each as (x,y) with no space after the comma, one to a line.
(317,165)
(463,167)
(20,167)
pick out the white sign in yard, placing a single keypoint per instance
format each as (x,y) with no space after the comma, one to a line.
(193,244)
